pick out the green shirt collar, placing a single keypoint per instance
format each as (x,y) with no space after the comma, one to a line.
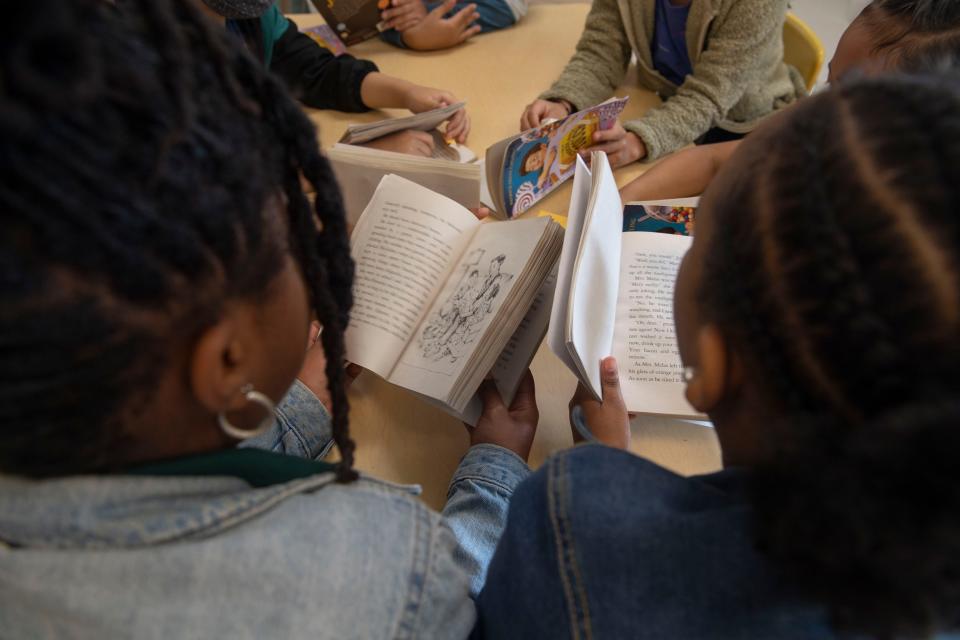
(257,467)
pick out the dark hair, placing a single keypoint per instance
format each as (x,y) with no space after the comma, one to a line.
(534,149)
(835,268)
(917,35)
(144,157)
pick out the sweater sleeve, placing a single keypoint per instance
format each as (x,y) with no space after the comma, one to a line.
(315,76)
(737,53)
(600,62)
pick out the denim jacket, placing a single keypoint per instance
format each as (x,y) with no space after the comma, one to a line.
(604,544)
(214,556)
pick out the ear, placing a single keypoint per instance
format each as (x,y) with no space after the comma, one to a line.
(718,373)
(219,366)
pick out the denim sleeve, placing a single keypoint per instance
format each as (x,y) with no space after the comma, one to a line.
(477,503)
(303,427)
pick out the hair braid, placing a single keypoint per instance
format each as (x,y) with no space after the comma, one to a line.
(167,141)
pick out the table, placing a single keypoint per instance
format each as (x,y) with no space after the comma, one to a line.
(402,439)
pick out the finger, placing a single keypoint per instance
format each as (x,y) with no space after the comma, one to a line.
(531,117)
(526,396)
(464,17)
(610,382)
(462,138)
(407,24)
(613,133)
(472,31)
(443,9)
(490,396)
(481,212)
(609,148)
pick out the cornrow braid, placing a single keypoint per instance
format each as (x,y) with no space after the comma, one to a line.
(835,267)
(141,149)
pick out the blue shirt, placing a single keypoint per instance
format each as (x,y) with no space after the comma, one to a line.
(670,56)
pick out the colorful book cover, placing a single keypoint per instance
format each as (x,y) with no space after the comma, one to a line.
(541,159)
(327,38)
(352,20)
(659,218)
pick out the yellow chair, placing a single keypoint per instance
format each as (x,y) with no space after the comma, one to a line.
(802,49)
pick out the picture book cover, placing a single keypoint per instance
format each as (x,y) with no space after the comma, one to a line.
(539,160)
(352,20)
(669,216)
(327,38)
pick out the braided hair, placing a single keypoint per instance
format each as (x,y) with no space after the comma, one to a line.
(836,270)
(916,35)
(140,151)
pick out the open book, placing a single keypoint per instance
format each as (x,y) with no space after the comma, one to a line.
(523,169)
(615,295)
(441,299)
(359,170)
(353,20)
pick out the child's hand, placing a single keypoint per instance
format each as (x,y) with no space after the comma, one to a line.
(419,98)
(608,420)
(512,428)
(410,142)
(437,32)
(540,110)
(403,14)
(621,147)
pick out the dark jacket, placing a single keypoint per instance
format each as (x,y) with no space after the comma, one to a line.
(312,73)
(603,544)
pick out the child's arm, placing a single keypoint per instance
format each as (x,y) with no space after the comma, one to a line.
(317,77)
(735,57)
(682,175)
(479,494)
(599,64)
(380,91)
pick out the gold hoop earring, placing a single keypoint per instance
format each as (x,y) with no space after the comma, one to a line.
(254,396)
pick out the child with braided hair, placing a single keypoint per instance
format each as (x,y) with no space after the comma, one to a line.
(888,35)
(159,268)
(818,316)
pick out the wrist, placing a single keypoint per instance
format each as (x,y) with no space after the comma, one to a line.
(566,104)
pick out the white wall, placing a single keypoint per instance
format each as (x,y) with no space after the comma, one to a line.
(828,18)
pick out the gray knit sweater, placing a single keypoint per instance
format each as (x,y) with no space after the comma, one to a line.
(739,77)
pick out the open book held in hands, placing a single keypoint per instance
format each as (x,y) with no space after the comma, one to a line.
(353,20)
(441,300)
(615,292)
(523,169)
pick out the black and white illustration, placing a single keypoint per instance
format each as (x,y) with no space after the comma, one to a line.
(460,319)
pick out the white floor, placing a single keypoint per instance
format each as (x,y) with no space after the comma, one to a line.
(828,18)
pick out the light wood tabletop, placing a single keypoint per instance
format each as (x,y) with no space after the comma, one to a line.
(400,438)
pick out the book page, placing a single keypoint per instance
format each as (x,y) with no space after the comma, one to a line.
(645,342)
(465,308)
(556,333)
(404,246)
(593,292)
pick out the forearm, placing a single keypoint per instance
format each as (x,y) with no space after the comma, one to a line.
(600,61)
(477,505)
(681,175)
(380,91)
(303,426)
